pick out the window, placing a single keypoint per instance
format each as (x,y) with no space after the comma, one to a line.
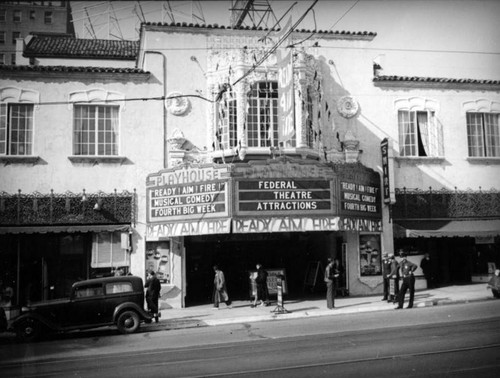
(226,135)
(93,290)
(2,37)
(95,130)
(16,16)
(16,129)
(107,251)
(3,15)
(32,14)
(15,35)
(119,287)
(483,134)
(47,17)
(419,134)
(13,59)
(262,118)
(2,58)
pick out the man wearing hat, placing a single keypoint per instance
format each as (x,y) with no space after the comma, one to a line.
(386,274)
(407,268)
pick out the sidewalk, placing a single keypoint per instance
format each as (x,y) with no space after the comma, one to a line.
(241,312)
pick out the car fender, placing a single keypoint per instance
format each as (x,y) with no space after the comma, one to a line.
(131,306)
(47,323)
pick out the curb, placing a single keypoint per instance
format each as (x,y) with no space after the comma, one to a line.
(313,314)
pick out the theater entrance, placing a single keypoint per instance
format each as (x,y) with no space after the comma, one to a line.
(237,254)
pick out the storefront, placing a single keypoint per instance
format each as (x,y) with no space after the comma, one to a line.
(48,242)
(285,214)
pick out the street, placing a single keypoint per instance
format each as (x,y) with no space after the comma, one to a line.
(455,340)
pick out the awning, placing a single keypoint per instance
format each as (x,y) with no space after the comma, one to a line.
(68,229)
(438,228)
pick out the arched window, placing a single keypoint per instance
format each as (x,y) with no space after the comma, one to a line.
(262,115)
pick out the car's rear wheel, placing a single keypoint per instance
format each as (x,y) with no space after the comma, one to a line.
(29,330)
(128,322)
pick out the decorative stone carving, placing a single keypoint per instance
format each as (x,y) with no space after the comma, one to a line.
(177,105)
(347,106)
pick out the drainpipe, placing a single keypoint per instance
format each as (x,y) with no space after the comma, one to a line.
(164,59)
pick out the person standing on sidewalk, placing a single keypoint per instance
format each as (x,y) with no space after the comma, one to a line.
(494,284)
(426,265)
(386,274)
(262,291)
(153,288)
(407,268)
(330,275)
(220,289)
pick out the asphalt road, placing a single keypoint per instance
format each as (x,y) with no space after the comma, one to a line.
(450,341)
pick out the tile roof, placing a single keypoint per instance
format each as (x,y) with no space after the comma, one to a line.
(216,26)
(45,45)
(71,69)
(439,80)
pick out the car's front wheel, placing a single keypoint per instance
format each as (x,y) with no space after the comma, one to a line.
(29,330)
(128,322)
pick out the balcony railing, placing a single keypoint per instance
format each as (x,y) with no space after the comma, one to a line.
(66,209)
(446,204)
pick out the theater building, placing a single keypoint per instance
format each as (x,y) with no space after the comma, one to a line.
(267,165)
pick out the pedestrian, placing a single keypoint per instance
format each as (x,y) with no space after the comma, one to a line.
(262,290)
(494,284)
(330,275)
(394,276)
(426,265)
(153,288)
(386,274)
(220,289)
(339,279)
(407,268)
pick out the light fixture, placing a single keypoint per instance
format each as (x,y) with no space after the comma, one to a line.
(98,205)
(84,196)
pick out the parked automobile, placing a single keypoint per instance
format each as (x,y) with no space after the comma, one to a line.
(92,303)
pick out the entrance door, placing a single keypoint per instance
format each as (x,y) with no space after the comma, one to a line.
(238,254)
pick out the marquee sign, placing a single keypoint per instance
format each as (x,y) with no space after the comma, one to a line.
(261,198)
(188,200)
(288,195)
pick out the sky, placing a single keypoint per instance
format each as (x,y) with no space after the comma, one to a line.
(460,38)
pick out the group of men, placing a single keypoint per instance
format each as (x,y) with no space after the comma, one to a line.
(392,270)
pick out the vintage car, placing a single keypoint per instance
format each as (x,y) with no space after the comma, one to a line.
(93,303)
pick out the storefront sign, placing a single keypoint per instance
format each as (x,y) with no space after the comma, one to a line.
(359,199)
(387,169)
(187,228)
(284,195)
(187,193)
